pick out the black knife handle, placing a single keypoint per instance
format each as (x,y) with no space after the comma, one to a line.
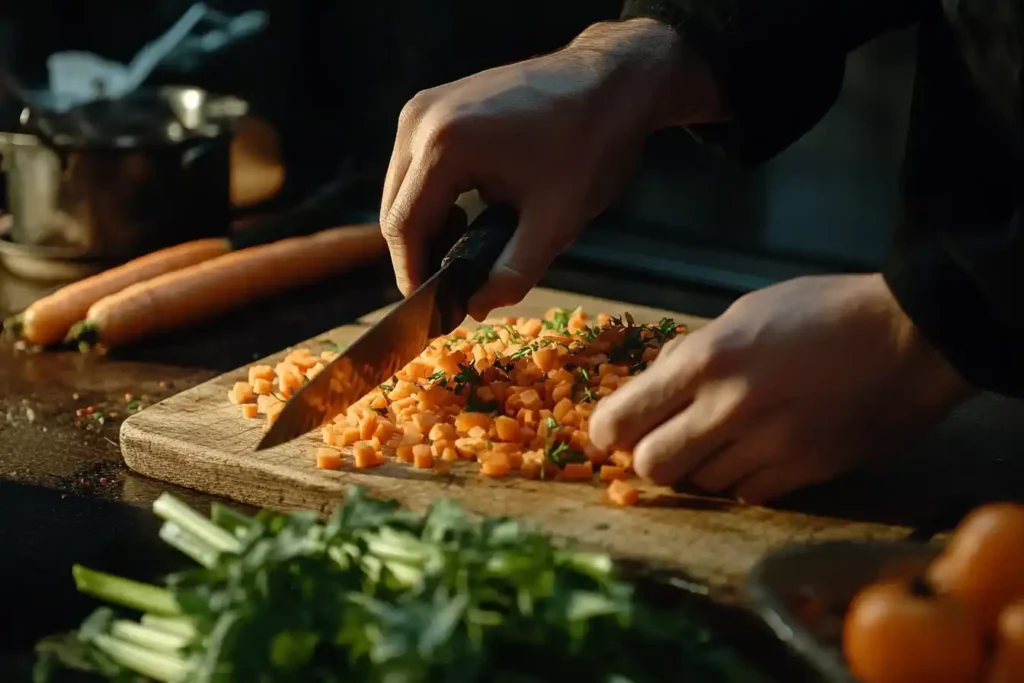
(467,265)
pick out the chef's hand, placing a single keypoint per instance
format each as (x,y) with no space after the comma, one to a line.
(556,137)
(792,385)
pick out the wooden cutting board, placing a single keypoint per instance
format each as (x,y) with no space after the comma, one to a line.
(197,439)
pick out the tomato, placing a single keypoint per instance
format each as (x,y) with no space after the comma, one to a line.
(983,563)
(901,632)
(1008,665)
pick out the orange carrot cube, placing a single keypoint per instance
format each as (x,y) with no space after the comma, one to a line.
(578,471)
(612,473)
(404,453)
(327,459)
(365,455)
(421,457)
(623,493)
(260,372)
(262,387)
(495,465)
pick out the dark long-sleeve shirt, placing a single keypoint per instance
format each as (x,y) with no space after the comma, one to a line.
(956,263)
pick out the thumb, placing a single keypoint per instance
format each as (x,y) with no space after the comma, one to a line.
(540,237)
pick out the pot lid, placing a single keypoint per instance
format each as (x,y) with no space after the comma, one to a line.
(147,117)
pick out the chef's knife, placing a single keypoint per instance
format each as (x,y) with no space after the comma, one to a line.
(436,308)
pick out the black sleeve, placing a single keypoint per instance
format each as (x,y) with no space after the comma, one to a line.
(956,264)
(778,63)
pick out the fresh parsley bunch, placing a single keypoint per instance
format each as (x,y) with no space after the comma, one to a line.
(380,594)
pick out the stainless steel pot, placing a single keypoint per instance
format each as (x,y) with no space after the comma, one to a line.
(118,179)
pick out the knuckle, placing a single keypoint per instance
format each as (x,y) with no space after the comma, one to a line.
(414,110)
(440,135)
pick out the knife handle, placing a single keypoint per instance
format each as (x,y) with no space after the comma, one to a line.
(467,265)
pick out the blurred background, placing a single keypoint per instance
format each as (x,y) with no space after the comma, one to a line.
(330,76)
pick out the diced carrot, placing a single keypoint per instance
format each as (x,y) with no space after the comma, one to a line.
(467,421)
(530,469)
(578,471)
(262,387)
(264,401)
(243,392)
(368,425)
(249,410)
(422,457)
(442,432)
(404,453)
(623,459)
(327,434)
(533,374)
(468,447)
(365,455)
(495,465)
(612,473)
(385,430)
(531,400)
(506,428)
(623,493)
(260,372)
(561,409)
(328,459)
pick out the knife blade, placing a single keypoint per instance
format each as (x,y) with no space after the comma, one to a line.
(436,308)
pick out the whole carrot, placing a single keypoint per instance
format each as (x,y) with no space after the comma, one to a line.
(208,289)
(48,320)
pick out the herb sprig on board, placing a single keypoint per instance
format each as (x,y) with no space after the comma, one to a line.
(380,594)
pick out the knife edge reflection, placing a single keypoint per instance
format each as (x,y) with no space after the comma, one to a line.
(374,357)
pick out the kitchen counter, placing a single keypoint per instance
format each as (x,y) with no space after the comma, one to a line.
(66,497)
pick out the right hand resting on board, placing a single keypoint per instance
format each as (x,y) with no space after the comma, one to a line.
(556,137)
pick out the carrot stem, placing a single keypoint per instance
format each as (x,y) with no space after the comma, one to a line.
(83,332)
(13,325)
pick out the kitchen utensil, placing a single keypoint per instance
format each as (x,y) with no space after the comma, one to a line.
(436,308)
(119,179)
(802,592)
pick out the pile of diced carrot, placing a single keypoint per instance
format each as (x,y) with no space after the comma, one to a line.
(514,396)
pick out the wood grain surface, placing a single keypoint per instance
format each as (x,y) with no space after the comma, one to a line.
(199,440)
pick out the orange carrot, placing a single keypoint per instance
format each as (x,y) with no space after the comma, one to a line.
(328,459)
(623,493)
(48,320)
(208,289)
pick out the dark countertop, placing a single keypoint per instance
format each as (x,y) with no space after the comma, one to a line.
(66,497)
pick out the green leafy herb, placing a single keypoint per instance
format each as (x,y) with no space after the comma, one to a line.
(559,321)
(437,376)
(485,334)
(386,387)
(380,594)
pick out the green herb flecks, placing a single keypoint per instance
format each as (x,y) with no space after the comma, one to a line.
(331,346)
(559,321)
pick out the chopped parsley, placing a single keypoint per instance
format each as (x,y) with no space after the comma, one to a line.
(559,321)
